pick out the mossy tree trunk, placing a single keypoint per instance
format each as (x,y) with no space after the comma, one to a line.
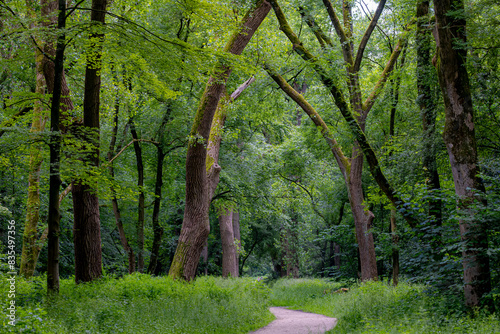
(195,227)
(460,140)
(44,69)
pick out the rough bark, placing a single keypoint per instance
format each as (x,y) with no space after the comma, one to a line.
(229,264)
(459,137)
(195,228)
(55,150)
(140,205)
(427,104)
(87,225)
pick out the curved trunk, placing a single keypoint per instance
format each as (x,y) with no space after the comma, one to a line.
(195,227)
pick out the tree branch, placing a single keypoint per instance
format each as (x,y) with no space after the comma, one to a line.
(366,36)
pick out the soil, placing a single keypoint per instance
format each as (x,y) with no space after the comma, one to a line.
(297,322)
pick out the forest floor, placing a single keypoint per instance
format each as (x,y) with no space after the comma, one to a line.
(297,322)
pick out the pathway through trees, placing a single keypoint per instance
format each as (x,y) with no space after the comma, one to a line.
(297,322)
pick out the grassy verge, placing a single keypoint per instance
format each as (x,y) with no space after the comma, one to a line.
(142,304)
(376,307)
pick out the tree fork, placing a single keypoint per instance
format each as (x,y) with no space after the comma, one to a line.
(195,229)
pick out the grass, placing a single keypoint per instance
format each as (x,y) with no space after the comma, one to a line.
(376,307)
(143,304)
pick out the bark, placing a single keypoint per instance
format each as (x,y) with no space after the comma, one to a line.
(31,245)
(195,227)
(237,238)
(427,104)
(229,264)
(459,137)
(140,208)
(87,225)
(114,201)
(395,249)
(48,8)
(157,228)
(336,259)
(55,150)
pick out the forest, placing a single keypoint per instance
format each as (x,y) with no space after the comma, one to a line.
(179,166)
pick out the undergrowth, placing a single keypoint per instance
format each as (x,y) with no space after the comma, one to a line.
(141,304)
(376,307)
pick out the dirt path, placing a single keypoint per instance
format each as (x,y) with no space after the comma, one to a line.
(297,322)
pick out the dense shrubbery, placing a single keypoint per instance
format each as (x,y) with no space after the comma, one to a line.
(143,304)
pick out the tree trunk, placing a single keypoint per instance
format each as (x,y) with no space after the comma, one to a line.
(114,201)
(460,141)
(55,150)
(229,264)
(336,259)
(363,218)
(237,239)
(395,249)
(195,227)
(140,208)
(31,245)
(427,104)
(87,225)
(157,229)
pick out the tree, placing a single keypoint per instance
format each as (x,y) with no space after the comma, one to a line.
(351,168)
(460,140)
(195,227)
(87,227)
(55,149)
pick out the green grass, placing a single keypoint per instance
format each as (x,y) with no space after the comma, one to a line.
(143,304)
(376,307)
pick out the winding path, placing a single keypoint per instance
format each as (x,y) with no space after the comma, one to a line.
(297,322)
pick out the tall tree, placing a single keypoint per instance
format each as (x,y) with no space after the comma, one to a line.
(45,53)
(427,104)
(196,227)
(87,226)
(55,154)
(460,140)
(355,114)
(140,208)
